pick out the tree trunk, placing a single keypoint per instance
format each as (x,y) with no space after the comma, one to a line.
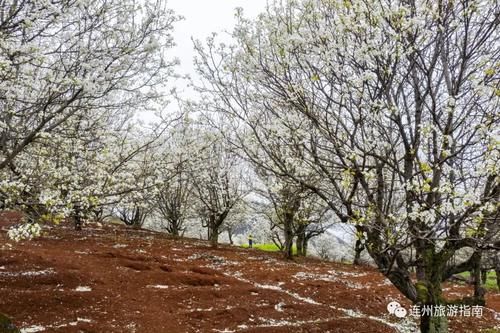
(479,292)
(420,267)
(277,241)
(173,228)
(77,217)
(484,276)
(497,272)
(431,324)
(214,237)
(213,231)
(300,243)
(429,294)
(288,248)
(174,231)
(138,219)
(358,249)
(288,230)
(429,289)
(358,246)
(98,214)
(230,235)
(305,246)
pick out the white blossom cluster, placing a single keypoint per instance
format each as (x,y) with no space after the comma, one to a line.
(86,149)
(26,231)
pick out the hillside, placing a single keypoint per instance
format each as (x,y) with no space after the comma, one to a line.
(115,279)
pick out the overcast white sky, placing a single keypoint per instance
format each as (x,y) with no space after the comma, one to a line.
(201,18)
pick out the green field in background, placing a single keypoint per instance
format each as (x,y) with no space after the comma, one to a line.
(491,279)
(269,247)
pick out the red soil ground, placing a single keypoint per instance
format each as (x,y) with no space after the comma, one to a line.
(115,279)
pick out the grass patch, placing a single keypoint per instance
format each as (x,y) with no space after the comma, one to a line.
(268,247)
(491,279)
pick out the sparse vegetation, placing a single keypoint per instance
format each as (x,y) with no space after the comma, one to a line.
(491,279)
(269,247)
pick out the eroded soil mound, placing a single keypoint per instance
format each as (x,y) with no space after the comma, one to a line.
(114,279)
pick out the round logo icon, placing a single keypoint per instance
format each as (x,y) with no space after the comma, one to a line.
(391,307)
(396,309)
(400,312)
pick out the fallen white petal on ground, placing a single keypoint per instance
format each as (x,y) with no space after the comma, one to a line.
(276,323)
(289,293)
(275,288)
(279,307)
(328,278)
(405,326)
(343,273)
(33,329)
(85,320)
(201,310)
(157,286)
(28,273)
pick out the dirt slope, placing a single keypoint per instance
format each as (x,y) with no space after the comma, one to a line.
(114,279)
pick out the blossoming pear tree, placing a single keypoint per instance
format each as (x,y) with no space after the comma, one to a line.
(395,105)
(174,201)
(72,73)
(219,179)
